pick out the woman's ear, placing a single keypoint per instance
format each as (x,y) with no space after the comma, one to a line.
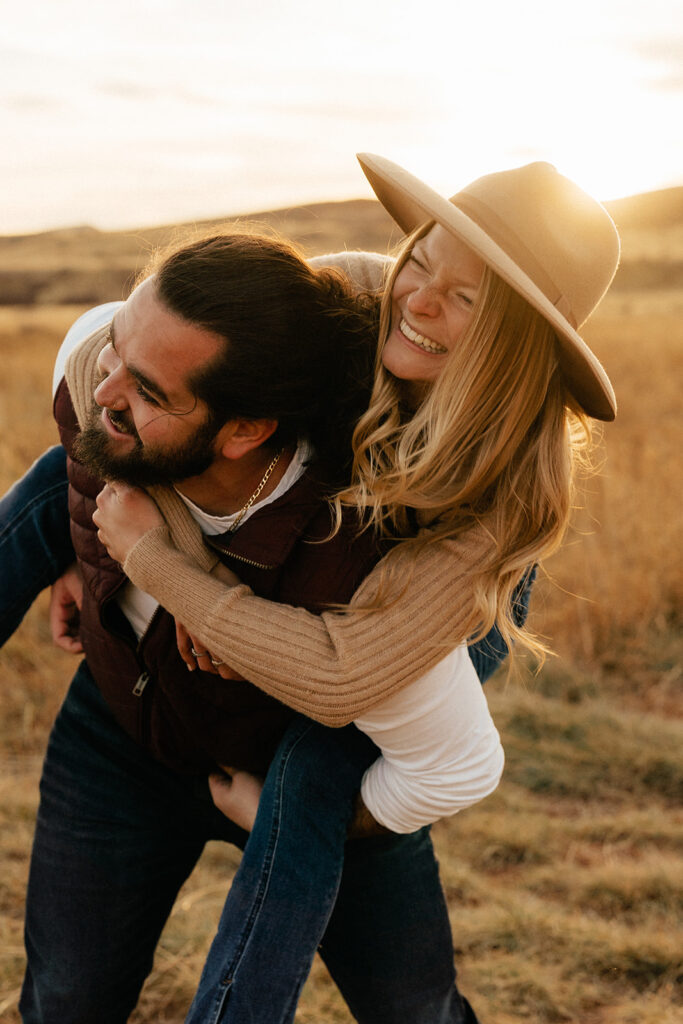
(238,437)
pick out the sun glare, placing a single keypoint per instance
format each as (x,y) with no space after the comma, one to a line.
(240,111)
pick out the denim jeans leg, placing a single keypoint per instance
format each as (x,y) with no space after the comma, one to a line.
(117,835)
(488,653)
(284,891)
(388,945)
(35,539)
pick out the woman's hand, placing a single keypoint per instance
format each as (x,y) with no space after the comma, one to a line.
(124,515)
(193,652)
(196,655)
(236,794)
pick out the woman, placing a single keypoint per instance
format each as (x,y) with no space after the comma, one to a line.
(480,407)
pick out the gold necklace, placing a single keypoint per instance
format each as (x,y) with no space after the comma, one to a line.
(264,480)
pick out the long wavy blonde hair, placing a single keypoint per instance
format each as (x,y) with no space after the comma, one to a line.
(492,446)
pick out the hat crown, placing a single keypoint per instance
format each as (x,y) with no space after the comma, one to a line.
(562,238)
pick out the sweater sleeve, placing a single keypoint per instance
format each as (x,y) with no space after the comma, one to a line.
(367,271)
(334,666)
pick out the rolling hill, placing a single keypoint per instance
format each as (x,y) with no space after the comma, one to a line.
(85,265)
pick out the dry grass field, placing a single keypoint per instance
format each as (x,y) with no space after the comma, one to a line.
(566,886)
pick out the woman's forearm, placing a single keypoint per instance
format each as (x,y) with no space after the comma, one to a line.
(332,667)
(441,750)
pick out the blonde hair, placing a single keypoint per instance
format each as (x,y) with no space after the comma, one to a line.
(492,446)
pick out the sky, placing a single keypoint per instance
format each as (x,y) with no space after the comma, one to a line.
(146,112)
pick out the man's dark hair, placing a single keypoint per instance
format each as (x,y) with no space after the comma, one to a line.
(299,346)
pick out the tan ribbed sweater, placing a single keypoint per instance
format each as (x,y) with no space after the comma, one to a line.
(332,667)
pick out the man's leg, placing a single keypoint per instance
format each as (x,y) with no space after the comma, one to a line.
(388,944)
(117,835)
(35,541)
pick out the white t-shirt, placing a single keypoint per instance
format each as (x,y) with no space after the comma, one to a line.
(441,751)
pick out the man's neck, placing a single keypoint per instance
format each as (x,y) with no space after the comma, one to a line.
(228,484)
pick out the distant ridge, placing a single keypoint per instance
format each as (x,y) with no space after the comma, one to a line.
(82,264)
(650,210)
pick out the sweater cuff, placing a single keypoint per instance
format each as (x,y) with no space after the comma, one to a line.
(143,559)
(184,589)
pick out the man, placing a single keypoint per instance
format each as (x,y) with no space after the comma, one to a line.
(214,370)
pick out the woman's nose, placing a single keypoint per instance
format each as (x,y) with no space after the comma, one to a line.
(424,301)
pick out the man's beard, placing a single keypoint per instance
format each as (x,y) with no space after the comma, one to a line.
(141,466)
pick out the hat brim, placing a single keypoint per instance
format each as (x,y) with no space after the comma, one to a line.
(411,203)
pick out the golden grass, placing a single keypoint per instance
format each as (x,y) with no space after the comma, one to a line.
(620,586)
(564,887)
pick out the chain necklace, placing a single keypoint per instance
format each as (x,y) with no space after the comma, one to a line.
(264,480)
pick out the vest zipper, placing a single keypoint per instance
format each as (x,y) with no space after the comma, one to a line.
(241,558)
(141,683)
(144,677)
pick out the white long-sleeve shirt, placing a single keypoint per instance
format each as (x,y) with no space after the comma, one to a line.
(441,751)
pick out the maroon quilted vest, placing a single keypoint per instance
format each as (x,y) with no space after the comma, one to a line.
(194,721)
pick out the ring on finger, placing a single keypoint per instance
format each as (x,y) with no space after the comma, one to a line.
(216,663)
(198,654)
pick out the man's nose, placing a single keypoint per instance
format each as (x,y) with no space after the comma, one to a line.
(109,393)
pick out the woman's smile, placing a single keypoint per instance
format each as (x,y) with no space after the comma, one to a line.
(422,342)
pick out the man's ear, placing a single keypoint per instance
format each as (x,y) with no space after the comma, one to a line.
(238,437)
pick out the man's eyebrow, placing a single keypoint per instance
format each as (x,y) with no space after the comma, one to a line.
(138,375)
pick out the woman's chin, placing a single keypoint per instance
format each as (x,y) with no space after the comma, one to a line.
(407,362)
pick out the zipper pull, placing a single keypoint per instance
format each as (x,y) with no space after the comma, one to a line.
(141,684)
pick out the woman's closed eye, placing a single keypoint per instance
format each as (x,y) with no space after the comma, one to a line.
(417,262)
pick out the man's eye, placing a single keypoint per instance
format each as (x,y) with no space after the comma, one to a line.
(145,395)
(416,261)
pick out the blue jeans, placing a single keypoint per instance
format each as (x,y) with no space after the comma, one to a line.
(375,907)
(35,541)
(117,834)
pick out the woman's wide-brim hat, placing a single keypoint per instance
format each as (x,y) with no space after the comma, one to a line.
(549,240)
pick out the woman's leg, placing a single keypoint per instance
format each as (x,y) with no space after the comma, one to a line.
(35,540)
(284,895)
(284,891)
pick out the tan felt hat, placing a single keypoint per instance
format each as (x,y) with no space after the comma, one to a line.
(549,240)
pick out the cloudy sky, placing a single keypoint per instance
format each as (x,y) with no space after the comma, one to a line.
(153,111)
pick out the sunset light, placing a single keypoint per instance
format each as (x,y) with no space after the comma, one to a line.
(148,114)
